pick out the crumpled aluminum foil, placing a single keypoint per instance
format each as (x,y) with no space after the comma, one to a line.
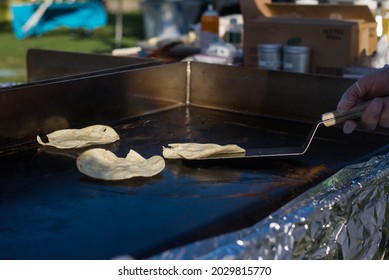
(344,217)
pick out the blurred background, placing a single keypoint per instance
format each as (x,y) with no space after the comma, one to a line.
(92,26)
(100,40)
(170,30)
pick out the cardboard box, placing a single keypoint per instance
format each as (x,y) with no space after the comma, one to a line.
(336,34)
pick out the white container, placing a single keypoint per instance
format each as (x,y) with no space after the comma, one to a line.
(296,58)
(270,56)
(169,18)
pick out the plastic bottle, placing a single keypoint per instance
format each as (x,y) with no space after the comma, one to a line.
(209,27)
(234,34)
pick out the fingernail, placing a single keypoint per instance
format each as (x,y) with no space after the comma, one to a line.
(348,127)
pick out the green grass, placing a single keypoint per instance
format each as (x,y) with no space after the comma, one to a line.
(13,51)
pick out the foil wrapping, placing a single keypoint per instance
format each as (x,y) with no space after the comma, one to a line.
(343,217)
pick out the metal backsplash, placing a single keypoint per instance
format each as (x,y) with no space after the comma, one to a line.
(41,107)
(49,64)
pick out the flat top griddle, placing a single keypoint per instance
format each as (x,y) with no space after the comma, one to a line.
(49,210)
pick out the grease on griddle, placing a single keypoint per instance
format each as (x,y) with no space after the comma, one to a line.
(294,178)
(297,176)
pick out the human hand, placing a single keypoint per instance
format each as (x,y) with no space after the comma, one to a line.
(370,87)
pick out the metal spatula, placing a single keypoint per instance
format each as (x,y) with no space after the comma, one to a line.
(328,119)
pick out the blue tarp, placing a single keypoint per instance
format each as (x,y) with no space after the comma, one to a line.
(86,15)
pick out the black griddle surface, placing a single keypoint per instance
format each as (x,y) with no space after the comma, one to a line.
(49,210)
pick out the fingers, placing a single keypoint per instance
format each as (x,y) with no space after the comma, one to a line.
(384,121)
(368,87)
(376,114)
(352,95)
(371,117)
(349,126)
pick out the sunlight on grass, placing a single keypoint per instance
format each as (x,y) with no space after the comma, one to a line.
(13,51)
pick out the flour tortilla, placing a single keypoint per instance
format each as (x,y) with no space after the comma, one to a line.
(196,150)
(78,138)
(103,164)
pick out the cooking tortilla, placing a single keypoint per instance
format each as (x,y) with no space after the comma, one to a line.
(105,165)
(196,150)
(78,138)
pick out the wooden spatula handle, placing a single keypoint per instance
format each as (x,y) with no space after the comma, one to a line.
(340,116)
